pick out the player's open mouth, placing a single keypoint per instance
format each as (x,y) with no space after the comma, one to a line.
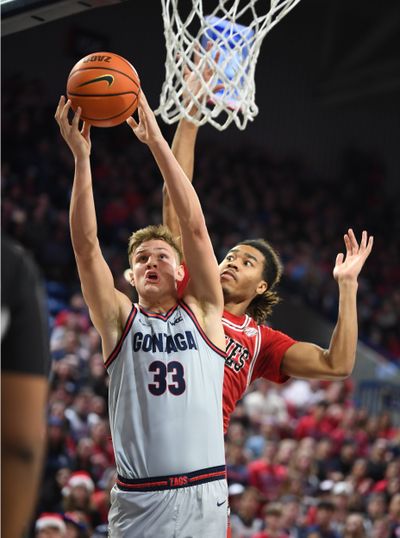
(228,275)
(151,277)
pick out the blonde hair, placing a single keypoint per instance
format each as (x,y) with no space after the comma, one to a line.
(152,232)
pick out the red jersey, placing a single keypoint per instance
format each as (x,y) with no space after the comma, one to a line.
(267,478)
(252,351)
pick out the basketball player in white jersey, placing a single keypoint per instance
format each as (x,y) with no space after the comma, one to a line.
(165,357)
(249,274)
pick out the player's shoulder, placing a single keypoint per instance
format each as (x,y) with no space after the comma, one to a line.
(273,339)
(270,332)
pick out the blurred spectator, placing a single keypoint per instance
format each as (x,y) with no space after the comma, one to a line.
(315,423)
(52,498)
(394,516)
(74,318)
(341,465)
(378,459)
(358,477)
(77,414)
(341,498)
(50,525)
(386,428)
(97,376)
(272,515)
(292,516)
(266,475)
(301,394)
(322,525)
(76,524)
(266,400)
(302,467)
(236,463)
(392,474)
(83,455)
(77,498)
(376,508)
(286,451)
(60,446)
(354,527)
(97,410)
(246,521)
(380,528)
(234,493)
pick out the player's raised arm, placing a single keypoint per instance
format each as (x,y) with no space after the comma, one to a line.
(184,142)
(106,304)
(311,361)
(183,146)
(198,251)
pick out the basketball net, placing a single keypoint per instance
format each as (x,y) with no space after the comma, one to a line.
(227,41)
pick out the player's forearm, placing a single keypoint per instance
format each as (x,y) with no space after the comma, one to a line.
(82,214)
(183,146)
(343,345)
(169,215)
(182,194)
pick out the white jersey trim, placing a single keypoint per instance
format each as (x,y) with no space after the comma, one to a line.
(255,357)
(235,326)
(117,348)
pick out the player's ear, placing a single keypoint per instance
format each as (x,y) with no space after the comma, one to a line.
(180,273)
(128,274)
(261,287)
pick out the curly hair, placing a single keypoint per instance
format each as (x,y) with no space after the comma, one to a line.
(262,305)
(152,232)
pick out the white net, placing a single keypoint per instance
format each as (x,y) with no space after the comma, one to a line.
(226,42)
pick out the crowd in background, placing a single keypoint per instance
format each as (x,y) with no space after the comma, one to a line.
(303,461)
(245,193)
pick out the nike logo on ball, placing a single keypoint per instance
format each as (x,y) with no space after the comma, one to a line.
(106,78)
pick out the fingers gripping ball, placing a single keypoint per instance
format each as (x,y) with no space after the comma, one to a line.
(106,87)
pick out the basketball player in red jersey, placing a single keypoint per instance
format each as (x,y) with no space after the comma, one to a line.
(249,274)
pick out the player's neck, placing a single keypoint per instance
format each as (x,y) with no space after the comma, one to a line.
(157,305)
(237,309)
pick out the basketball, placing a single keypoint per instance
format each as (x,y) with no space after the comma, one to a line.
(106,87)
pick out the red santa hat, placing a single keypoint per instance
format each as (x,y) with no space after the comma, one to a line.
(79,478)
(50,520)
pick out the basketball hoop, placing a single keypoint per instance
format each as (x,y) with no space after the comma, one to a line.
(236,29)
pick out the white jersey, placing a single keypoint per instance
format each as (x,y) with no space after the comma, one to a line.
(165,396)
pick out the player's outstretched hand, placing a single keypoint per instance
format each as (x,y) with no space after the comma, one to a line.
(198,80)
(77,139)
(147,129)
(348,267)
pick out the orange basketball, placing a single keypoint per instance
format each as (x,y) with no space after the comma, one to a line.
(106,87)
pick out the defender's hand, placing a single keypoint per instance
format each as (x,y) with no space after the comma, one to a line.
(196,80)
(349,267)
